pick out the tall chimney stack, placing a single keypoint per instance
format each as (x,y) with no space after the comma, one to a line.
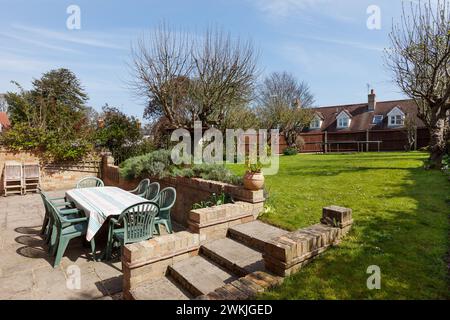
(372,100)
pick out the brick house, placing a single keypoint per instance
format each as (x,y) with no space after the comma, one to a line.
(4,120)
(339,128)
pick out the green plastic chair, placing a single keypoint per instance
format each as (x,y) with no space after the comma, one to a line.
(64,230)
(90,182)
(135,224)
(153,192)
(166,201)
(141,189)
(64,207)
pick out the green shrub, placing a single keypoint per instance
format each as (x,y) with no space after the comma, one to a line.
(213,172)
(155,164)
(159,164)
(290,151)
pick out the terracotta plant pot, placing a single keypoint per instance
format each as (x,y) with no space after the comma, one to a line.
(253,180)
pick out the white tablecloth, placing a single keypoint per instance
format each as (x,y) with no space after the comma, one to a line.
(101,202)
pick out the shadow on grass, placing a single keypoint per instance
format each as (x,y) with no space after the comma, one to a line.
(408,242)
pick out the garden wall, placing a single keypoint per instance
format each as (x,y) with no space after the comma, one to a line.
(54,176)
(189,190)
(392,140)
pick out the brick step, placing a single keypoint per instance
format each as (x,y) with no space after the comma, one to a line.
(163,288)
(234,256)
(200,276)
(255,234)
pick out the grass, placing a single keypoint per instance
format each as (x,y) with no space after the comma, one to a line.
(401,224)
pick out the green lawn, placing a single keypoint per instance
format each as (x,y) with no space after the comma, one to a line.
(401,223)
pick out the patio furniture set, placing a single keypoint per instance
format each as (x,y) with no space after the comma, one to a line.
(20,178)
(131,216)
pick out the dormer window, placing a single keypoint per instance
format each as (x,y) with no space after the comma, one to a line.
(377,119)
(316,123)
(343,120)
(396,117)
(396,120)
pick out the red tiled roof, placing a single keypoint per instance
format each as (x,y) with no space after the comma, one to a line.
(362,118)
(4,120)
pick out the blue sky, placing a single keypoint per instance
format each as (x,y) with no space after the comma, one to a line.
(323,42)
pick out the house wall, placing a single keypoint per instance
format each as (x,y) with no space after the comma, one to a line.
(54,176)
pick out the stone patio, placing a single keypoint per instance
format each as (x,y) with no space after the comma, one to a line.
(26,269)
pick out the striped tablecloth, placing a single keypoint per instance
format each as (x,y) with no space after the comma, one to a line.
(101,202)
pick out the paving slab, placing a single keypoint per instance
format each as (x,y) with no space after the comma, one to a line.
(16,284)
(199,275)
(234,256)
(255,234)
(26,269)
(160,289)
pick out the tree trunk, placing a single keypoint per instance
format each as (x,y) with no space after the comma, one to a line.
(438,143)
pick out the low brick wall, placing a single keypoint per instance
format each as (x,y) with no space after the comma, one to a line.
(54,176)
(213,222)
(286,254)
(189,190)
(149,260)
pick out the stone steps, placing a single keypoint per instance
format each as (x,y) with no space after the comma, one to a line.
(255,234)
(163,288)
(233,256)
(200,276)
(219,264)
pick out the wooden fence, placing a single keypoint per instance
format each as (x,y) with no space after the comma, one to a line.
(391,140)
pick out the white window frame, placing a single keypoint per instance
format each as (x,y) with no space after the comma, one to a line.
(316,123)
(343,120)
(396,118)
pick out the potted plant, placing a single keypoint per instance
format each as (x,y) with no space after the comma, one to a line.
(253,178)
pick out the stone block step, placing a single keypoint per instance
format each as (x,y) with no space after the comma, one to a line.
(200,276)
(164,288)
(255,234)
(234,256)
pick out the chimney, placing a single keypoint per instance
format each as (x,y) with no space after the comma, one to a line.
(372,101)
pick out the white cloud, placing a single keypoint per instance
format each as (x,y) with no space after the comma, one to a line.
(282,8)
(83,38)
(353,44)
(35,42)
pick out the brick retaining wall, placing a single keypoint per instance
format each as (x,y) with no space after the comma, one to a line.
(189,190)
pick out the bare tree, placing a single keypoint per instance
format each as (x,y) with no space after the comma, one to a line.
(284,103)
(160,68)
(224,75)
(185,78)
(419,58)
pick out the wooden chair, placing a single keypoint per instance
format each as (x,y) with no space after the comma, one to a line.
(13,178)
(31,177)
